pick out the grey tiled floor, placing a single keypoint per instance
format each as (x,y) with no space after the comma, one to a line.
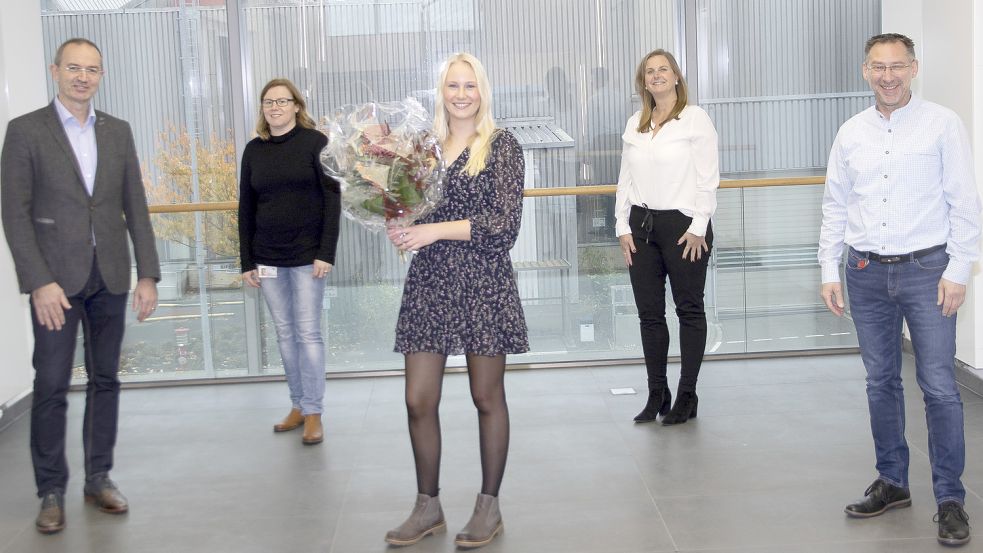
(780,446)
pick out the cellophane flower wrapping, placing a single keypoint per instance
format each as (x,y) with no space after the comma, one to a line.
(387,161)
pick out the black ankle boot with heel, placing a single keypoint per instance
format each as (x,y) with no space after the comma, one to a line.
(683,410)
(660,398)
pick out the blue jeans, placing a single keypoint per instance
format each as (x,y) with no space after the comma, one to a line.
(294,298)
(881,296)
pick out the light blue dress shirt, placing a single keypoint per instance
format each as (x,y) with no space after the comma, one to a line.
(900,185)
(83,141)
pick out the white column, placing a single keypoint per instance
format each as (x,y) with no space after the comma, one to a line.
(22,89)
(949,45)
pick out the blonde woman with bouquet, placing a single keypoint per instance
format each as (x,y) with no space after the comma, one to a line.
(460,297)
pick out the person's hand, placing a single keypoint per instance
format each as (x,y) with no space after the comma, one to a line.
(695,246)
(251,278)
(951,296)
(145,298)
(321,268)
(412,238)
(627,247)
(50,304)
(832,293)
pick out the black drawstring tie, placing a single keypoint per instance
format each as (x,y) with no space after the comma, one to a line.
(648,222)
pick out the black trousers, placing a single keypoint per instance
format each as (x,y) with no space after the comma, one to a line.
(103,317)
(655,234)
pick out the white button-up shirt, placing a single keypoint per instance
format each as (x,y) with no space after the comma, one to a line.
(900,185)
(678,169)
(83,141)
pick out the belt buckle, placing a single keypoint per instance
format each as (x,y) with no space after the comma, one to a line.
(891,260)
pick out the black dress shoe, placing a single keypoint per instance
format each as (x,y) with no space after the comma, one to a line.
(683,410)
(660,398)
(879,497)
(51,517)
(953,524)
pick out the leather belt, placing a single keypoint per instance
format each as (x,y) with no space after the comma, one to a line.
(901,258)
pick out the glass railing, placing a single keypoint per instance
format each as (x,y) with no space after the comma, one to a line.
(762,292)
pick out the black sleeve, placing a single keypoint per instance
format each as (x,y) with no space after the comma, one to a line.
(332,207)
(247,214)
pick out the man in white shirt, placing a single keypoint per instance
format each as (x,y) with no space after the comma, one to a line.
(901,195)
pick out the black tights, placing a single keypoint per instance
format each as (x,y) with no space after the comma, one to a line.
(424,378)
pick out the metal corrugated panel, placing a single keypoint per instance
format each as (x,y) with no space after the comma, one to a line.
(779,48)
(143,76)
(347,52)
(83,5)
(539,132)
(778,133)
(776,96)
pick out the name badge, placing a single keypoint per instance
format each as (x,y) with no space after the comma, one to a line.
(266,271)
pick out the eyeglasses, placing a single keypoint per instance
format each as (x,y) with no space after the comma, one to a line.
(282,102)
(897,68)
(77,69)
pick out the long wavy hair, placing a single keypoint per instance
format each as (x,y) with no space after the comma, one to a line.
(484,120)
(303,119)
(648,102)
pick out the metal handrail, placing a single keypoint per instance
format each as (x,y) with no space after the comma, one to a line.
(593,190)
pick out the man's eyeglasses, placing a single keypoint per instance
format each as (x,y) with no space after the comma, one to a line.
(897,68)
(78,69)
(282,102)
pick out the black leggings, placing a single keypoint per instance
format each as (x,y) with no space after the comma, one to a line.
(655,234)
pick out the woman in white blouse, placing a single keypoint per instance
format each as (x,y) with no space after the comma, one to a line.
(666,195)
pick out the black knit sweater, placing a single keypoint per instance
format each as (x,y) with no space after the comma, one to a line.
(288,208)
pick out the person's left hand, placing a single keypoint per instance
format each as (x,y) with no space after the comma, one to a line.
(951,296)
(321,268)
(412,238)
(145,298)
(695,246)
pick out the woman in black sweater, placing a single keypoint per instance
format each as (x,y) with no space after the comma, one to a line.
(288,231)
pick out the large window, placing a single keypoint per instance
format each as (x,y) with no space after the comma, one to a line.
(777,78)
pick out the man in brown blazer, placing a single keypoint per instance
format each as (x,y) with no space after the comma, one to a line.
(70,191)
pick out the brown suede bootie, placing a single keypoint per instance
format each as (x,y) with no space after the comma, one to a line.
(485,523)
(293,420)
(427,518)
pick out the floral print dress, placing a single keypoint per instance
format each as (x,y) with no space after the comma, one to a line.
(460,296)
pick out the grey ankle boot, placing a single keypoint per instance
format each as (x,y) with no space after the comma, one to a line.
(485,523)
(427,518)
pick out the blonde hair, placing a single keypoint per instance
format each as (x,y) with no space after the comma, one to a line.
(484,120)
(303,119)
(648,102)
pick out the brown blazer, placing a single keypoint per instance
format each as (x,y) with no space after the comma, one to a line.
(49,218)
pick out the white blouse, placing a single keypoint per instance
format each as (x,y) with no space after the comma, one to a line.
(678,168)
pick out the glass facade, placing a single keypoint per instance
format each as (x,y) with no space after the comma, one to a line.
(776,82)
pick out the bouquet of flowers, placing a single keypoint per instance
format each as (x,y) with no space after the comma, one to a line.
(386,160)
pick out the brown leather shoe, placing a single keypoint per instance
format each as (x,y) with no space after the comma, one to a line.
(51,518)
(103,492)
(313,433)
(293,420)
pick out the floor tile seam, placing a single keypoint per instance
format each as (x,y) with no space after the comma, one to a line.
(341,511)
(5,547)
(757,548)
(771,413)
(725,449)
(655,504)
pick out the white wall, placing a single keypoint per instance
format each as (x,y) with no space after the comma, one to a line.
(22,89)
(951,73)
